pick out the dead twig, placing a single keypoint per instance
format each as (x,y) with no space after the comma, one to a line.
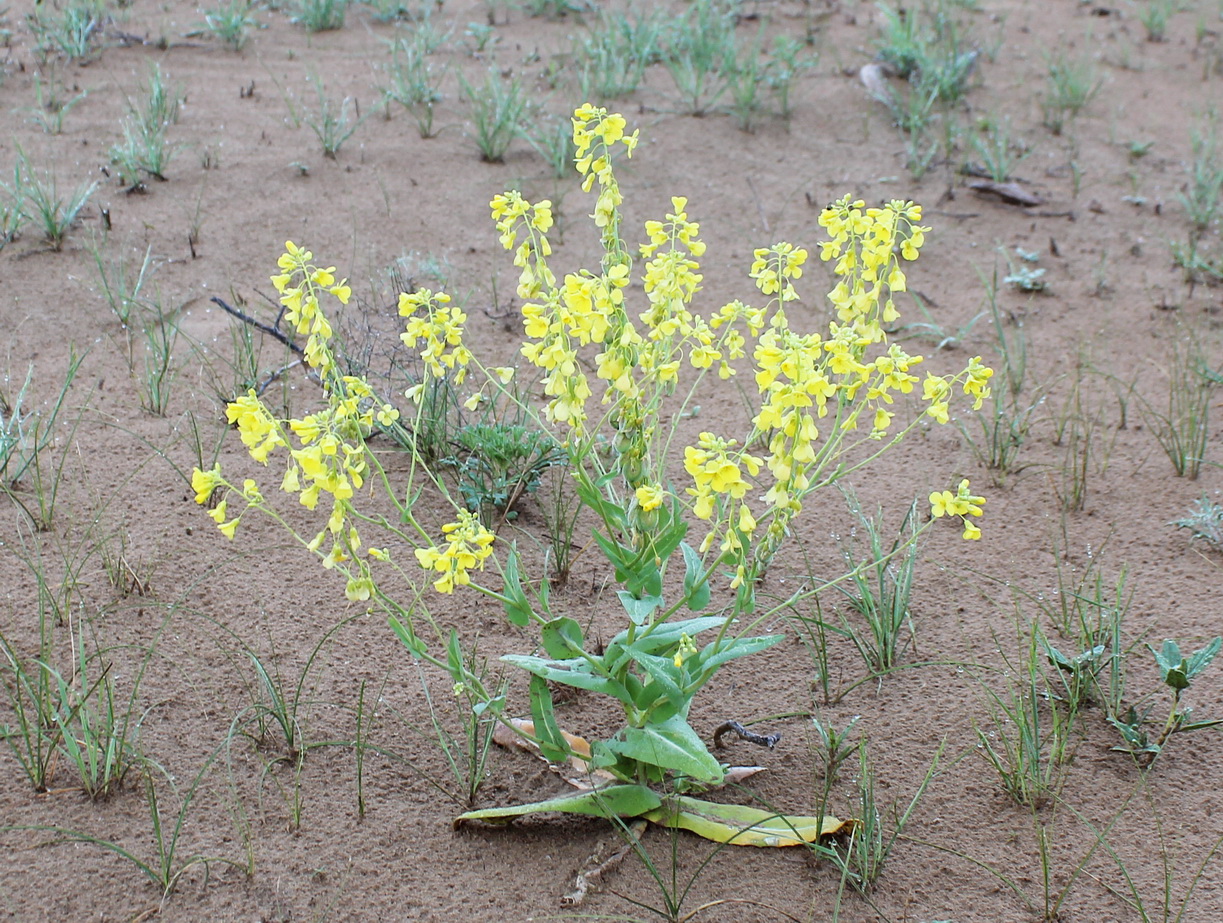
(247,319)
(743,733)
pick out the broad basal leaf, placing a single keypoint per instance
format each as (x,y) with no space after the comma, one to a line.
(613,801)
(742,825)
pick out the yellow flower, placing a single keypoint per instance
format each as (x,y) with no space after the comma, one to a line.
(205,482)
(685,650)
(941,503)
(359,589)
(387,415)
(650,496)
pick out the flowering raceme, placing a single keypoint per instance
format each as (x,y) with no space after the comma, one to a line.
(468,547)
(327,453)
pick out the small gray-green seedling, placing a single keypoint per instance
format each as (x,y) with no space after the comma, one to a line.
(1177,673)
(1204,521)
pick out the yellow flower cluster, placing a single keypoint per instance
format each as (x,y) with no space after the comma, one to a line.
(299,284)
(802,378)
(433,322)
(329,453)
(863,241)
(962,503)
(595,134)
(937,389)
(558,320)
(850,374)
(714,465)
(469,545)
(260,431)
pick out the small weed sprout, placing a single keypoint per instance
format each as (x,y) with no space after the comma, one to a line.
(553,9)
(785,65)
(26,433)
(745,78)
(319,15)
(498,112)
(50,107)
(833,747)
(1200,198)
(413,82)
(1027,279)
(881,586)
(1072,85)
(12,214)
(144,150)
(481,35)
(160,337)
(1183,428)
(1204,522)
(399,10)
(1027,744)
(614,55)
(38,191)
(1154,16)
(700,55)
(69,30)
(861,860)
(333,123)
(501,463)
(1005,425)
(999,150)
(553,140)
(230,24)
(1201,194)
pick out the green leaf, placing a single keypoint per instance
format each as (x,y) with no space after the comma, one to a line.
(1200,725)
(562,639)
(671,744)
(742,825)
(663,636)
(671,533)
(1201,659)
(621,558)
(517,607)
(613,801)
(571,673)
(405,634)
(551,744)
(1171,664)
(665,675)
(639,610)
(611,514)
(695,595)
(714,655)
(635,569)
(454,656)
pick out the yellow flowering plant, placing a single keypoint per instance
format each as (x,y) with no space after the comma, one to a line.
(827,407)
